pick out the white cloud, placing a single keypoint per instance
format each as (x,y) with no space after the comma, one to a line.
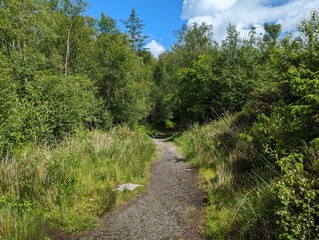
(245,13)
(155,48)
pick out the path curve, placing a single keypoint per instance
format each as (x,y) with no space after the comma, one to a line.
(171,208)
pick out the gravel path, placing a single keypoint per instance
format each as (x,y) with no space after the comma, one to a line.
(171,208)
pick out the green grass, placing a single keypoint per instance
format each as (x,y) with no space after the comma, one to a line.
(21,226)
(71,185)
(240,202)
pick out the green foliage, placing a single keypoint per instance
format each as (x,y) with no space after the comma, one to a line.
(240,202)
(67,103)
(192,101)
(53,107)
(164,90)
(243,150)
(309,28)
(298,195)
(272,32)
(279,122)
(193,41)
(9,110)
(307,105)
(107,25)
(61,71)
(135,25)
(213,79)
(124,81)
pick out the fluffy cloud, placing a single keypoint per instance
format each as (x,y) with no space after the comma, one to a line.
(246,13)
(155,48)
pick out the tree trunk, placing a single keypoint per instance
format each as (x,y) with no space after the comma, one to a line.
(68,49)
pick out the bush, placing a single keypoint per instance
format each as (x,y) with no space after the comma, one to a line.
(298,194)
(63,103)
(11,121)
(52,108)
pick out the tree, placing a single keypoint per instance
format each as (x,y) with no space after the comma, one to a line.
(107,25)
(272,33)
(232,41)
(164,92)
(309,28)
(195,53)
(123,80)
(193,40)
(135,26)
(198,89)
(68,12)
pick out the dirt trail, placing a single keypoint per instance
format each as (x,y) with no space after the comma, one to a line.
(170,208)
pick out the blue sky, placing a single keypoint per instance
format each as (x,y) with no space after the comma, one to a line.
(163,17)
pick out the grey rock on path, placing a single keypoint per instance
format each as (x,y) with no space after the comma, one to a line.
(171,208)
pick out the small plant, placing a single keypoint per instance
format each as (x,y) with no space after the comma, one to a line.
(169,124)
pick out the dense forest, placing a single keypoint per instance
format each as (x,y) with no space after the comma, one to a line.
(76,95)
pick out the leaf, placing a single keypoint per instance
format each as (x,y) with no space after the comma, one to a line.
(299,167)
(312,99)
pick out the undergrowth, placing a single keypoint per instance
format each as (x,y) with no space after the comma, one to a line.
(71,185)
(254,191)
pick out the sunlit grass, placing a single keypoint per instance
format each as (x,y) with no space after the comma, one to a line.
(239,200)
(70,185)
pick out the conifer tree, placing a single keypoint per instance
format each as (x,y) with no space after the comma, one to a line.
(135,26)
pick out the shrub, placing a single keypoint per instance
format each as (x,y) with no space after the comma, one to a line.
(298,194)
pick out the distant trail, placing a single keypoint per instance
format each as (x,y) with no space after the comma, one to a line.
(171,208)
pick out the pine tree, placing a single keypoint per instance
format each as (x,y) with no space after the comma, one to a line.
(135,28)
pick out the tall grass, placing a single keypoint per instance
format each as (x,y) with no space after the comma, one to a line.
(238,186)
(70,185)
